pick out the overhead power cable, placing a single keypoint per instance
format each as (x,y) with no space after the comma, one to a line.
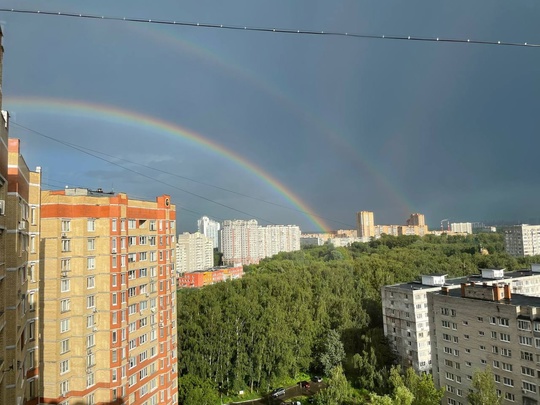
(73,146)
(274,30)
(200,182)
(92,152)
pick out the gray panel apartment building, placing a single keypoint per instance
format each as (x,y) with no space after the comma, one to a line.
(478,326)
(406,314)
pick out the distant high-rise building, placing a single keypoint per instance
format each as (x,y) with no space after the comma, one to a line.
(245,242)
(365,224)
(416,219)
(108,300)
(461,227)
(194,251)
(210,229)
(522,240)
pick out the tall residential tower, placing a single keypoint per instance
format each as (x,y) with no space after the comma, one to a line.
(109,298)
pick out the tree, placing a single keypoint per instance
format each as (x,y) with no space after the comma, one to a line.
(423,388)
(338,390)
(485,390)
(193,390)
(332,352)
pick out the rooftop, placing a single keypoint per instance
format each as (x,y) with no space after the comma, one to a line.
(456,282)
(515,300)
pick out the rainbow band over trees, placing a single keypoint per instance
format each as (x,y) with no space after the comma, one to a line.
(134,118)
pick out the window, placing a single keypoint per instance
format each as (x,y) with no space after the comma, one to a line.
(114,299)
(132,362)
(132,224)
(31,301)
(143,256)
(496,364)
(446,324)
(505,337)
(90,341)
(481,333)
(492,320)
(528,371)
(91,244)
(64,346)
(508,381)
(495,349)
(91,225)
(113,224)
(143,273)
(90,380)
(507,367)
(527,386)
(66,225)
(90,301)
(143,356)
(509,396)
(90,321)
(64,305)
(64,366)
(90,263)
(143,240)
(524,325)
(504,322)
(506,352)
(525,340)
(31,330)
(66,245)
(494,335)
(90,282)
(526,356)
(64,325)
(64,387)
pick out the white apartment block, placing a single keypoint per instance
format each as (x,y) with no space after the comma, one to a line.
(194,251)
(461,227)
(406,314)
(478,326)
(522,240)
(245,242)
(210,229)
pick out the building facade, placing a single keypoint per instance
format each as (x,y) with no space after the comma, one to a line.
(522,240)
(215,275)
(406,313)
(194,251)
(19,278)
(210,229)
(108,299)
(461,227)
(245,242)
(479,326)
(365,224)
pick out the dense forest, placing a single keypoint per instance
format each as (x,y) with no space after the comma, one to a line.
(317,310)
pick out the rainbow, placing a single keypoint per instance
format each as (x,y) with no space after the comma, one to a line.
(141,121)
(172,40)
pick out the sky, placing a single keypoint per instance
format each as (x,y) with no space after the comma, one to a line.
(283,128)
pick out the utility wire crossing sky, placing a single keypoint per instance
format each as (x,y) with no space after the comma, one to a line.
(275,30)
(242,118)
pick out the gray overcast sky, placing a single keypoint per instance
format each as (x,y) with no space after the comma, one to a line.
(331,124)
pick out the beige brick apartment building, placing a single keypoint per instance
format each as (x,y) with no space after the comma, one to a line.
(109,298)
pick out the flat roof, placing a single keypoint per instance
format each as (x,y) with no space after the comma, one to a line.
(451,282)
(517,299)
